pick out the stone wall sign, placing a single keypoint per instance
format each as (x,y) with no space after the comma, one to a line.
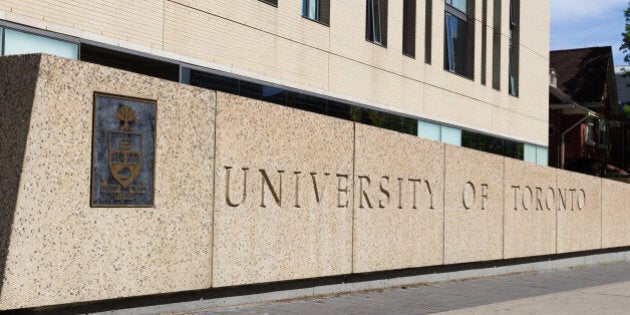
(123,152)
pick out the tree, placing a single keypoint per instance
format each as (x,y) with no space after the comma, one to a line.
(625,46)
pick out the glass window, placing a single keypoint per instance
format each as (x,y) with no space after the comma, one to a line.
(452,136)
(307,102)
(376,22)
(603,134)
(456,44)
(436,132)
(428,26)
(1,41)
(513,50)
(378,119)
(529,153)
(588,133)
(542,156)
(496,46)
(429,131)
(536,154)
(484,40)
(272,2)
(17,43)
(492,144)
(458,41)
(458,4)
(130,62)
(317,10)
(409,28)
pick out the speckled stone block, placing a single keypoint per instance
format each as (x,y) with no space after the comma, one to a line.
(579,212)
(473,206)
(284,193)
(615,214)
(63,251)
(530,209)
(18,78)
(398,201)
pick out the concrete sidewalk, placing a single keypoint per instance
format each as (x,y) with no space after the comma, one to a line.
(601,289)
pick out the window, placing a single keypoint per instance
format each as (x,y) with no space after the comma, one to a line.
(428,22)
(536,154)
(492,144)
(603,134)
(272,2)
(17,43)
(409,28)
(496,46)
(317,10)
(376,22)
(459,37)
(588,133)
(436,132)
(130,62)
(484,40)
(514,39)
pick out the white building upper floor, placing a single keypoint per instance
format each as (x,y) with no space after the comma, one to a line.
(478,66)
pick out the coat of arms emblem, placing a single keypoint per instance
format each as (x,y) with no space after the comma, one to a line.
(123,157)
(125,149)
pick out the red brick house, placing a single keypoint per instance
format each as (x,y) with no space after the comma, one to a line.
(583,110)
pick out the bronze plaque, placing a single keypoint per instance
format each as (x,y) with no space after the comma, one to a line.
(123,156)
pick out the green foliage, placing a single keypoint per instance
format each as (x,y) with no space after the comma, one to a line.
(625,46)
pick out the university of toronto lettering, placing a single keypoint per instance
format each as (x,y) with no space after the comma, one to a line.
(471,194)
(547,198)
(407,192)
(272,184)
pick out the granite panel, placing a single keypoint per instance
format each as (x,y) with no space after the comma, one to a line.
(530,210)
(16,103)
(62,250)
(284,193)
(398,201)
(579,212)
(615,214)
(473,206)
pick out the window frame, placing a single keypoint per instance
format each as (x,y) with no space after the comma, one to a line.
(409,28)
(428,31)
(469,19)
(602,139)
(484,41)
(370,22)
(513,50)
(270,2)
(496,45)
(33,32)
(322,11)
(589,127)
(2,40)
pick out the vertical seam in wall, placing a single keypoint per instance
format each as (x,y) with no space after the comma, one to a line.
(504,210)
(214,190)
(354,162)
(601,212)
(444,204)
(556,208)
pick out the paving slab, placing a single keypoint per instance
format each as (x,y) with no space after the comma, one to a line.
(593,290)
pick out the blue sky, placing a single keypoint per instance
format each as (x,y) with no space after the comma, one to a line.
(587,23)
